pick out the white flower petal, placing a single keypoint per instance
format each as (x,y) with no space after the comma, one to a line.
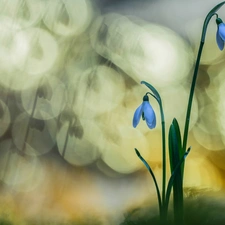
(137,116)
(219,40)
(149,115)
(221,30)
(152,124)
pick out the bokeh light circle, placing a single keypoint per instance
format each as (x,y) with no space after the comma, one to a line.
(32,136)
(46,99)
(144,51)
(17,171)
(25,12)
(78,141)
(96,90)
(68,17)
(5,118)
(43,51)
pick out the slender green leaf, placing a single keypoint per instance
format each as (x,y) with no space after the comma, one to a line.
(179,142)
(172,177)
(175,150)
(153,177)
(177,130)
(173,147)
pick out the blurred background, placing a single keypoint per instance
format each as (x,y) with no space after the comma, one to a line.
(70,75)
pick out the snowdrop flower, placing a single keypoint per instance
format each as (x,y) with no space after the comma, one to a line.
(220,34)
(146,111)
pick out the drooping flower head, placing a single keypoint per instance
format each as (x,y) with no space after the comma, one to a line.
(220,34)
(146,111)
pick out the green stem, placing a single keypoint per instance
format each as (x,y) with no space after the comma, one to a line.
(158,99)
(204,29)
(163,155)
(164,213)
(163,149)
(191,96)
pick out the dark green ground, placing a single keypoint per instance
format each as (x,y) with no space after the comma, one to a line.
(200,209)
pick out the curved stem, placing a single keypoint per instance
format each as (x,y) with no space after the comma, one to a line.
(158,99)
(204,29)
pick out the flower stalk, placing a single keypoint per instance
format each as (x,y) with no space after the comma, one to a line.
(191,95)
(177,144)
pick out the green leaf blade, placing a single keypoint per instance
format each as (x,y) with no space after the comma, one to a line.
(179,142)
(176,154)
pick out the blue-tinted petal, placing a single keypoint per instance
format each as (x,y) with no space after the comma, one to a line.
(149,115)
(137,115)
(221,30)
(153,123)
(219,40)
